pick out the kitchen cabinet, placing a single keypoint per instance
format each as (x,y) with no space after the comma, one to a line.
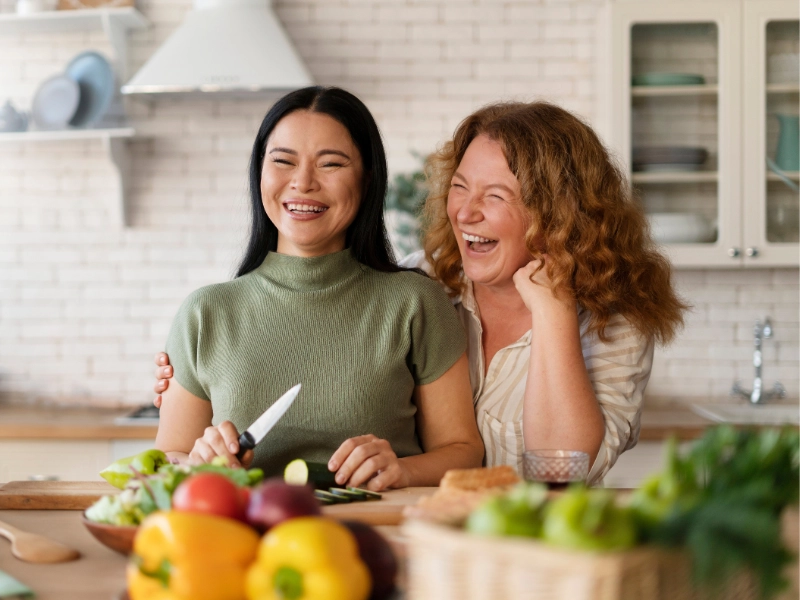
(695,88)
(115,23)
(68,460)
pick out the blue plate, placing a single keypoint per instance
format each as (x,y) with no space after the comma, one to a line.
(95,77)
(55,102)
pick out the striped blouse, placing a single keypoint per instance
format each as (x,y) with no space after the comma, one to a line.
(618,370)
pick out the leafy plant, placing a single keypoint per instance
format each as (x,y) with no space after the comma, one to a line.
(407,192)
(746,477)
(404,199)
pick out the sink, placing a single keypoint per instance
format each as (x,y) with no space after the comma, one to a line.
(753,414)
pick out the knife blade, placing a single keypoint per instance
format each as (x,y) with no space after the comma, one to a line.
(262,425)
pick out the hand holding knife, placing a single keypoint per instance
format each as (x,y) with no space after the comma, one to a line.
(262,426)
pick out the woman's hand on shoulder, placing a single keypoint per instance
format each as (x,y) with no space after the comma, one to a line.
(535,287)
(164,373)
(368,459)
(220,440)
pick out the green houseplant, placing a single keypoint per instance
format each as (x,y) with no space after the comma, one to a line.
(404,199)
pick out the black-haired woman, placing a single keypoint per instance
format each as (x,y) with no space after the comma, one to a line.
(319,300)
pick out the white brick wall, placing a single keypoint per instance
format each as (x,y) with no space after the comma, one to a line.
(716,346)
(83,306)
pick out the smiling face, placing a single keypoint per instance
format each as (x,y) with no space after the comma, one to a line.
(311,183)
(488,216)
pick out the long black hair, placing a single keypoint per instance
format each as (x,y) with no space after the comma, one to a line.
(366,237)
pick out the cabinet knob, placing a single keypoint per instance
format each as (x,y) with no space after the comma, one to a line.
(751,252)
(734,252)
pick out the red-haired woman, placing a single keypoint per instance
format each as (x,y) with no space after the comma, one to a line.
(533,229)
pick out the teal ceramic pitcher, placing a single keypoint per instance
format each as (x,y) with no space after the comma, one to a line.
(787,156)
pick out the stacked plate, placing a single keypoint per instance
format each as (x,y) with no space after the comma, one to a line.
(667,79)
(79,97)
(668,158)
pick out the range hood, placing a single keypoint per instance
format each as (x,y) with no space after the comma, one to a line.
(233,46)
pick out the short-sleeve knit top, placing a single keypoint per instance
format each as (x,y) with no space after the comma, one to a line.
(359,340)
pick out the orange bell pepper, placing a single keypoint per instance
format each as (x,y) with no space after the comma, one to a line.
(190,556)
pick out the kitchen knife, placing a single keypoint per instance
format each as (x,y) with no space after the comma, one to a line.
(262,425)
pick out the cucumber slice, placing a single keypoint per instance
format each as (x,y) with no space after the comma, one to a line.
(333,498)
(368,493)
(355,496)
(325,501)
(304,472)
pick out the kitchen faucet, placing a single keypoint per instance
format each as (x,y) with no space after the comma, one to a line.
(758,395)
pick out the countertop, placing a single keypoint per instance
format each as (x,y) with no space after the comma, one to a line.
(98,575)
(82,423)
(68,423)
(661,418)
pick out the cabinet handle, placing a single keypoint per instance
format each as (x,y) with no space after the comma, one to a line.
(734,252)
(751,252)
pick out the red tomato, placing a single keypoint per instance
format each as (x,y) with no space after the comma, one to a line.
(244,498)
(211,494)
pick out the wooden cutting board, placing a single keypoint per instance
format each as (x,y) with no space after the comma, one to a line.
(79,495)
(386,511)
(53,495)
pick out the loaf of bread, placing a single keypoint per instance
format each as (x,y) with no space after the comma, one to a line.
(479,479)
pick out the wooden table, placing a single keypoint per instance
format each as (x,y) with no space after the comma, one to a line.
(100,573)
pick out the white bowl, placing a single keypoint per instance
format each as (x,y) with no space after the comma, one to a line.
(681,228)
(784,68)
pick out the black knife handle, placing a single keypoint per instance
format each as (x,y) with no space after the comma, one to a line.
(246,442)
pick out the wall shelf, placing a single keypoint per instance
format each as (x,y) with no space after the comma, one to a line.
(783,88)
(793,175)
(67,134)
(675,177)
(115,22)
(674,90)
(71,20)
(115,142)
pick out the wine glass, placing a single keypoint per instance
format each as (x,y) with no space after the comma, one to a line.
(556,468)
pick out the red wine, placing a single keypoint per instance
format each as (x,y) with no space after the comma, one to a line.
(557,485)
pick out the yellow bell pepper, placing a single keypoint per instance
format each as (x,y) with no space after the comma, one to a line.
(308,558)
(190,556)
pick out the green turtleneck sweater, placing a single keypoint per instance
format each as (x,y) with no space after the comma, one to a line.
(359,341)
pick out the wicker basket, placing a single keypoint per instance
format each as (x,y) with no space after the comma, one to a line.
(445,563)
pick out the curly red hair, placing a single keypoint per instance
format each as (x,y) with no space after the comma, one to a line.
(582,212)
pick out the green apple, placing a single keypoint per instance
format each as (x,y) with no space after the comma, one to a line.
(518,513)
(584,519)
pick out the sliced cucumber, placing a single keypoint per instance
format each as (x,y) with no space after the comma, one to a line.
(355,496)
(369,494)
(332,498)
(323,500)
(304,472)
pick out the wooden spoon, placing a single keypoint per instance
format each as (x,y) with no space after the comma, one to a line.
(34,548)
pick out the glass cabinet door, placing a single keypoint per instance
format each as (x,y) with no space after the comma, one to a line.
(679,69)
(675,128)
(771,152)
